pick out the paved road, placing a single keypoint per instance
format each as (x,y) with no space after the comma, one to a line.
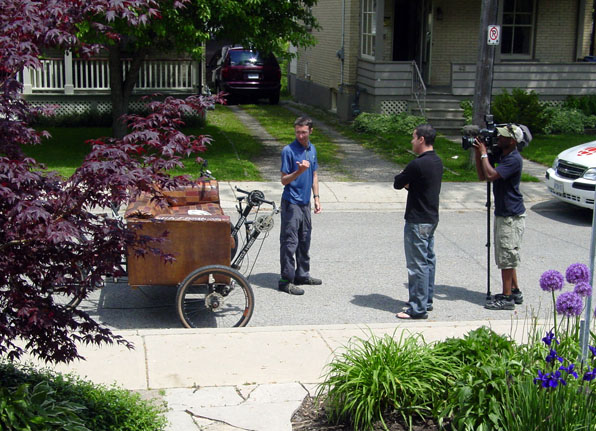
(359,255)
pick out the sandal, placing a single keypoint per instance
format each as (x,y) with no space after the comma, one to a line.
(407,315)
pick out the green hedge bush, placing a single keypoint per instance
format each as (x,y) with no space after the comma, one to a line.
(586,104)
(521,107)
(399,124)
(36,400)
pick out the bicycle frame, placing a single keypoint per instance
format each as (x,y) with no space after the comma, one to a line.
(253,228)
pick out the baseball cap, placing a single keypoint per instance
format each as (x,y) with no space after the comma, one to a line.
(511,131)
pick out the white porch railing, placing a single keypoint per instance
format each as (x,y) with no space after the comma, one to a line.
(67,75)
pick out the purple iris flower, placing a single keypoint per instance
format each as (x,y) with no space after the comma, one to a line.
(551,280)
(570,370)
(569,304)
(548,380)
(549,337)
(552,356)
(577,272)
(589,375)
(583,289)
(593,350)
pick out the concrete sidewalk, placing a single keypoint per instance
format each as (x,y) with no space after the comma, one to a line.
(242,378)
(380,196)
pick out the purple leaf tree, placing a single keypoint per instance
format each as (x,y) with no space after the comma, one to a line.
(51,240)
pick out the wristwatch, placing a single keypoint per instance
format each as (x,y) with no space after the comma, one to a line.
(484,156)
(315,196)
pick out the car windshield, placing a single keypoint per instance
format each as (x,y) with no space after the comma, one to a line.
(246,58)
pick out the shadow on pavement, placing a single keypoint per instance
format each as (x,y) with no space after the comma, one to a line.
(266,280)
(564,212)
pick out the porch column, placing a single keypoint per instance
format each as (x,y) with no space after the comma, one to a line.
(27,86)
(68,83)
(379,24)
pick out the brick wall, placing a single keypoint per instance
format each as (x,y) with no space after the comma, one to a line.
(455,37)
(556,29)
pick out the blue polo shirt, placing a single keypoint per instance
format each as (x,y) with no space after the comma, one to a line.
(298,191)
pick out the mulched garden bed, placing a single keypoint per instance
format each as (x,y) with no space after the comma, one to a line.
(311,417)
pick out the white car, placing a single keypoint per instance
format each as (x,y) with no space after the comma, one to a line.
(573,175)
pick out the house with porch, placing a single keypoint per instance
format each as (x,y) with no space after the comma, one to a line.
(390,56)
(77,85)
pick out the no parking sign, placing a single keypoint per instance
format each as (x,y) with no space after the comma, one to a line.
(494,35)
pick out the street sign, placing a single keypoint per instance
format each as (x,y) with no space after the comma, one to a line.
(494,35)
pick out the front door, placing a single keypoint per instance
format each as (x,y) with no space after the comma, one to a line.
(412,35)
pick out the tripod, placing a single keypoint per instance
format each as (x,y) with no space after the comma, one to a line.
(488,205)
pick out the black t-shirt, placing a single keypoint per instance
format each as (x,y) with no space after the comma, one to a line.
(423,174)
(508,199)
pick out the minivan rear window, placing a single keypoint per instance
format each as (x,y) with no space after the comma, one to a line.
(246,58)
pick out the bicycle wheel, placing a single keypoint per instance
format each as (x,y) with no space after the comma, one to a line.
(69,294)
(214,296)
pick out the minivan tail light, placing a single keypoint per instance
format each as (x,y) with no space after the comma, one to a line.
(225,72)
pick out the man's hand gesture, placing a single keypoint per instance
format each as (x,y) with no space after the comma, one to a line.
(303,166)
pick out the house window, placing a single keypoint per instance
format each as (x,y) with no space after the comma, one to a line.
(369,28)
(517,28)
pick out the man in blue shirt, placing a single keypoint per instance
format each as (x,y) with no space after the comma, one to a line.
(510,212)
(299,176)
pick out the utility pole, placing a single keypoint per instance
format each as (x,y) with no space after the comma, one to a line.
(484,64)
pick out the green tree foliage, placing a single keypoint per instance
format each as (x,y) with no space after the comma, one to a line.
(182,26)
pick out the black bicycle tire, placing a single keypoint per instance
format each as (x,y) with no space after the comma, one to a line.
(186,309)
(76,299)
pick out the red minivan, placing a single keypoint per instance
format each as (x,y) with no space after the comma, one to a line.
(246,72)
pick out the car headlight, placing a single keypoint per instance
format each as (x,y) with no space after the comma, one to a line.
(555,163)
(590,174)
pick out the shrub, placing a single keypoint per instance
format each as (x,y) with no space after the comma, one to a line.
(45,400)
(586,104)
(565,120)
(480,379)
(400,124)
(520,107)
(379,375)
(468,108)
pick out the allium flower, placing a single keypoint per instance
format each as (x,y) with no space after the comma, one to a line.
(583,289)
(549,337)
(552,356)
(551,280)
(569,304)
(577,272)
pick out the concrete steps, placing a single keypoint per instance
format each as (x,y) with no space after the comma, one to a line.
(443,112)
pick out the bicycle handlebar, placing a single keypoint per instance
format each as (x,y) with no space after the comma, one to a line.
(255,196)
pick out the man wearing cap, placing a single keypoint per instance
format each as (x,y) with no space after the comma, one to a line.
(510,213)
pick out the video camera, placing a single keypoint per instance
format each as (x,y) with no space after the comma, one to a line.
(488,135)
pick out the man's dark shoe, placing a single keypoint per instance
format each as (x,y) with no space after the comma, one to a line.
(429,307)
(517,296)
(310,281)
(290,288)
(501,302)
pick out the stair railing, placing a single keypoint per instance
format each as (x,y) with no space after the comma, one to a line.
(418,89)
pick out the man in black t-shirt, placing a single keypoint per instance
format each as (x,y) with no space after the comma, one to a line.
(422,178)
(510,212)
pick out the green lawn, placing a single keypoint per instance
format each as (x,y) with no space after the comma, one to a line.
(279,123)
(544,149)
(233,147)
(228,156)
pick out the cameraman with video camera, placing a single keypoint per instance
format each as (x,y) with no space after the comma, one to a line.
(501,164)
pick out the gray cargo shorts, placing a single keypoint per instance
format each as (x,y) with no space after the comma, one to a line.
(509,232)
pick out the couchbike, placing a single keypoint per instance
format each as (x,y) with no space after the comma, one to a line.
(222,295)
(211,295)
